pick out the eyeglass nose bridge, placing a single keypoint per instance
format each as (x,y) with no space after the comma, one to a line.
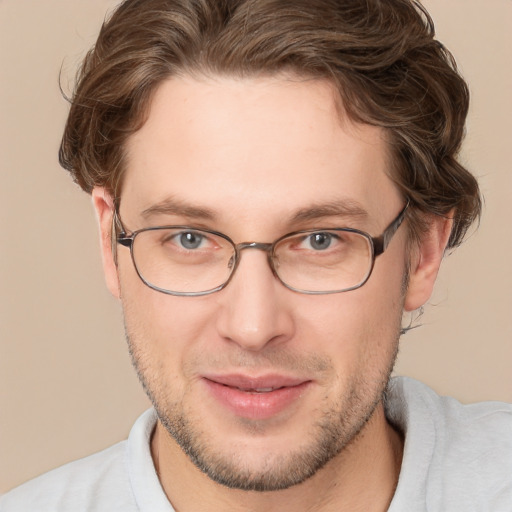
(267,247)
(260,246)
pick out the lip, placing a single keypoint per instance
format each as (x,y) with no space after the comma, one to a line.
(256,397)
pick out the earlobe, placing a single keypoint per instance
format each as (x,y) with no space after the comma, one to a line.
(425,263)
(104,207)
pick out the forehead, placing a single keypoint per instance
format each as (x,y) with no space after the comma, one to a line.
(254,147)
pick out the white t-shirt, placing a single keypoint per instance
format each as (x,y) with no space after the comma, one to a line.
(456,458)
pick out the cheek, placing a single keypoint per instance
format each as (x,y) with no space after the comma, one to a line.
(162,327)
(358,329)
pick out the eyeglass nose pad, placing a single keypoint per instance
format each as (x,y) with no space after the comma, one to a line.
(273,262)
(231,262)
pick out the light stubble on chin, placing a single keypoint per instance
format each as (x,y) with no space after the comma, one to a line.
(338,426)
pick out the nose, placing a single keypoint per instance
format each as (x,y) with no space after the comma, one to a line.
(255,308)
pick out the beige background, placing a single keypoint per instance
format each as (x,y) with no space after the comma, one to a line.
(66,385)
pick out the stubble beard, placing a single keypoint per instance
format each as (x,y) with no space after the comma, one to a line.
(338,427)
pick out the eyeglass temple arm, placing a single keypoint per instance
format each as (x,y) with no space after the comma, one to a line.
(380,243)
(118,235)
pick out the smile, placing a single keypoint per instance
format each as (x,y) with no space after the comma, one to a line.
(256,398)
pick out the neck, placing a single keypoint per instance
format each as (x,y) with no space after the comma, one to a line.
(362,477)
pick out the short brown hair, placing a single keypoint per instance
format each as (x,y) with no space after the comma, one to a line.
(382,56)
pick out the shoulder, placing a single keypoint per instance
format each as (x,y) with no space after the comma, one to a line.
(455,455)
(115,479)
(75,486)
(409,399)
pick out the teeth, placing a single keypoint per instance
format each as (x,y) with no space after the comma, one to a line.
(259,390)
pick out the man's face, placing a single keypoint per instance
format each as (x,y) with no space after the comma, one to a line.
(252,154)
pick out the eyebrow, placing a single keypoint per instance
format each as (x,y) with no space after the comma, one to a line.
(340,208)
(172,206)
(347,208)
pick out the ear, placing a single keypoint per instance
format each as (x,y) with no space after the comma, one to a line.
(426,260)
(104,206)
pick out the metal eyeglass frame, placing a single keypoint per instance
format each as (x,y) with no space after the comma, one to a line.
(378,245)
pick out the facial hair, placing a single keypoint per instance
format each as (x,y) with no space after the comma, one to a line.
(339,425)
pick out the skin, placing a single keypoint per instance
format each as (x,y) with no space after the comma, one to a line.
(251,153)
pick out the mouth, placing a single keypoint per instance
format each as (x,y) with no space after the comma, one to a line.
(256,397)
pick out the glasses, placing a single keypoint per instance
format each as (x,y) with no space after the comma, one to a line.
(185,261)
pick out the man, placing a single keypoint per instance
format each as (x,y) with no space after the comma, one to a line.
(276,183)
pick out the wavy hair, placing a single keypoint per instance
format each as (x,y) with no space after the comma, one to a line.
(382,57)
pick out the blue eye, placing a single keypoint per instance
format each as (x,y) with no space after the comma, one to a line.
(320,241)
(190,240)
